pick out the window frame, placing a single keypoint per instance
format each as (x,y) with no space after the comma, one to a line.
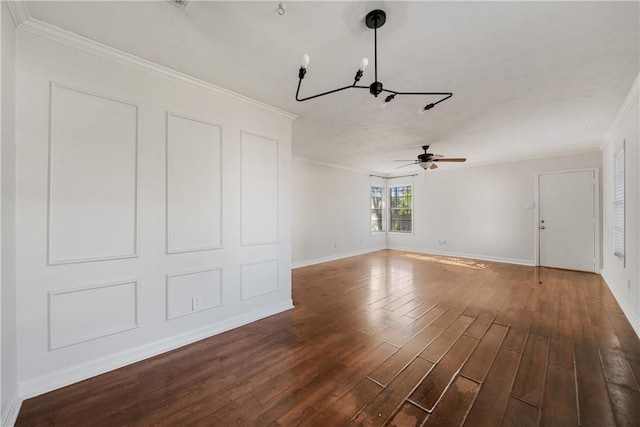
(383,223)
(412,208)
(618,214)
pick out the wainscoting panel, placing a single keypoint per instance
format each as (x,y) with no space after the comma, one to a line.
(91,312)
(92,203)
(194,185)
(259,190)
(189,293)
(131,179)
(259,278)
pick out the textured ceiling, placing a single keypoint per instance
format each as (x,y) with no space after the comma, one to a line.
(529,79)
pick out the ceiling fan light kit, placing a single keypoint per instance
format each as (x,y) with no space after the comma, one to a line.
(374,20)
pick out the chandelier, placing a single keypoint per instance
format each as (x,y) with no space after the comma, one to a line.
(374,19)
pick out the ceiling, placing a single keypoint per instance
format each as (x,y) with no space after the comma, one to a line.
(530,79)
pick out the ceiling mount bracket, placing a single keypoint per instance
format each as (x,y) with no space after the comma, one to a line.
(375,19)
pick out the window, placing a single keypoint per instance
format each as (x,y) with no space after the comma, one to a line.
(377,223)
(401,209)
(618,204)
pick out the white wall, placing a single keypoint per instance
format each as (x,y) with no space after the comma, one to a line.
(481,211)
(111,160)
(624,278)
(331,212)
(9,369)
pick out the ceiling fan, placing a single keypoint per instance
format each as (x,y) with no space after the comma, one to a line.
(429,160)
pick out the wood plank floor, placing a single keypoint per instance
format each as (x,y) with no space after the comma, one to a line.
(389,338)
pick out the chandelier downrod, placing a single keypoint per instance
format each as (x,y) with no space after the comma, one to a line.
(374,20)
(375,54)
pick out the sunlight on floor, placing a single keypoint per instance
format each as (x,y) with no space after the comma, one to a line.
(458,262)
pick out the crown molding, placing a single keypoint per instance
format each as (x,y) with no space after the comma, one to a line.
(19,12)
(631,97)
(336,166)
(26,23)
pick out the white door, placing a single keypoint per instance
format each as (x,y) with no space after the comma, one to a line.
(567,220)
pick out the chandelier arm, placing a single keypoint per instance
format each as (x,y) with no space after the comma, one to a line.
(446,95)
(444,99)
(325,93)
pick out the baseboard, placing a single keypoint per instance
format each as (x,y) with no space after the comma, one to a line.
(309,262)
(92,368)
(631,317)
(10,415)
(528,262)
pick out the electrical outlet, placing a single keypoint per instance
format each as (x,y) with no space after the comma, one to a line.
(196,303)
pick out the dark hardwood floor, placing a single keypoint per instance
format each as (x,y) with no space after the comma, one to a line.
(389,338)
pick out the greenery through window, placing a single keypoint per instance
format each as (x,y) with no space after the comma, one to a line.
(377,224)
(401,209)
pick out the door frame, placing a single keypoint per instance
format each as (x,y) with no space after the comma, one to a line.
(596,191)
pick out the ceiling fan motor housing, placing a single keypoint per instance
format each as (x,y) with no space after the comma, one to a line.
(425,157)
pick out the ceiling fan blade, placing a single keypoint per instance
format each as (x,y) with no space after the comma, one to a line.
(433,166)
(450,159)
(437,156)
(404,166)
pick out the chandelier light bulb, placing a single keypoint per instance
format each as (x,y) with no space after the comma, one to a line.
(364,63)
(305,61)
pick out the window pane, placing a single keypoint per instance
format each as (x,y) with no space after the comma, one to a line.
(377,224)
(401,209)
(618,204)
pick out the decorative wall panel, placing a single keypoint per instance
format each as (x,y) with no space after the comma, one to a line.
(104,157)
(189,293)
(259,190)
(259,279)
(91,312)
(194,185)
(92,177)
